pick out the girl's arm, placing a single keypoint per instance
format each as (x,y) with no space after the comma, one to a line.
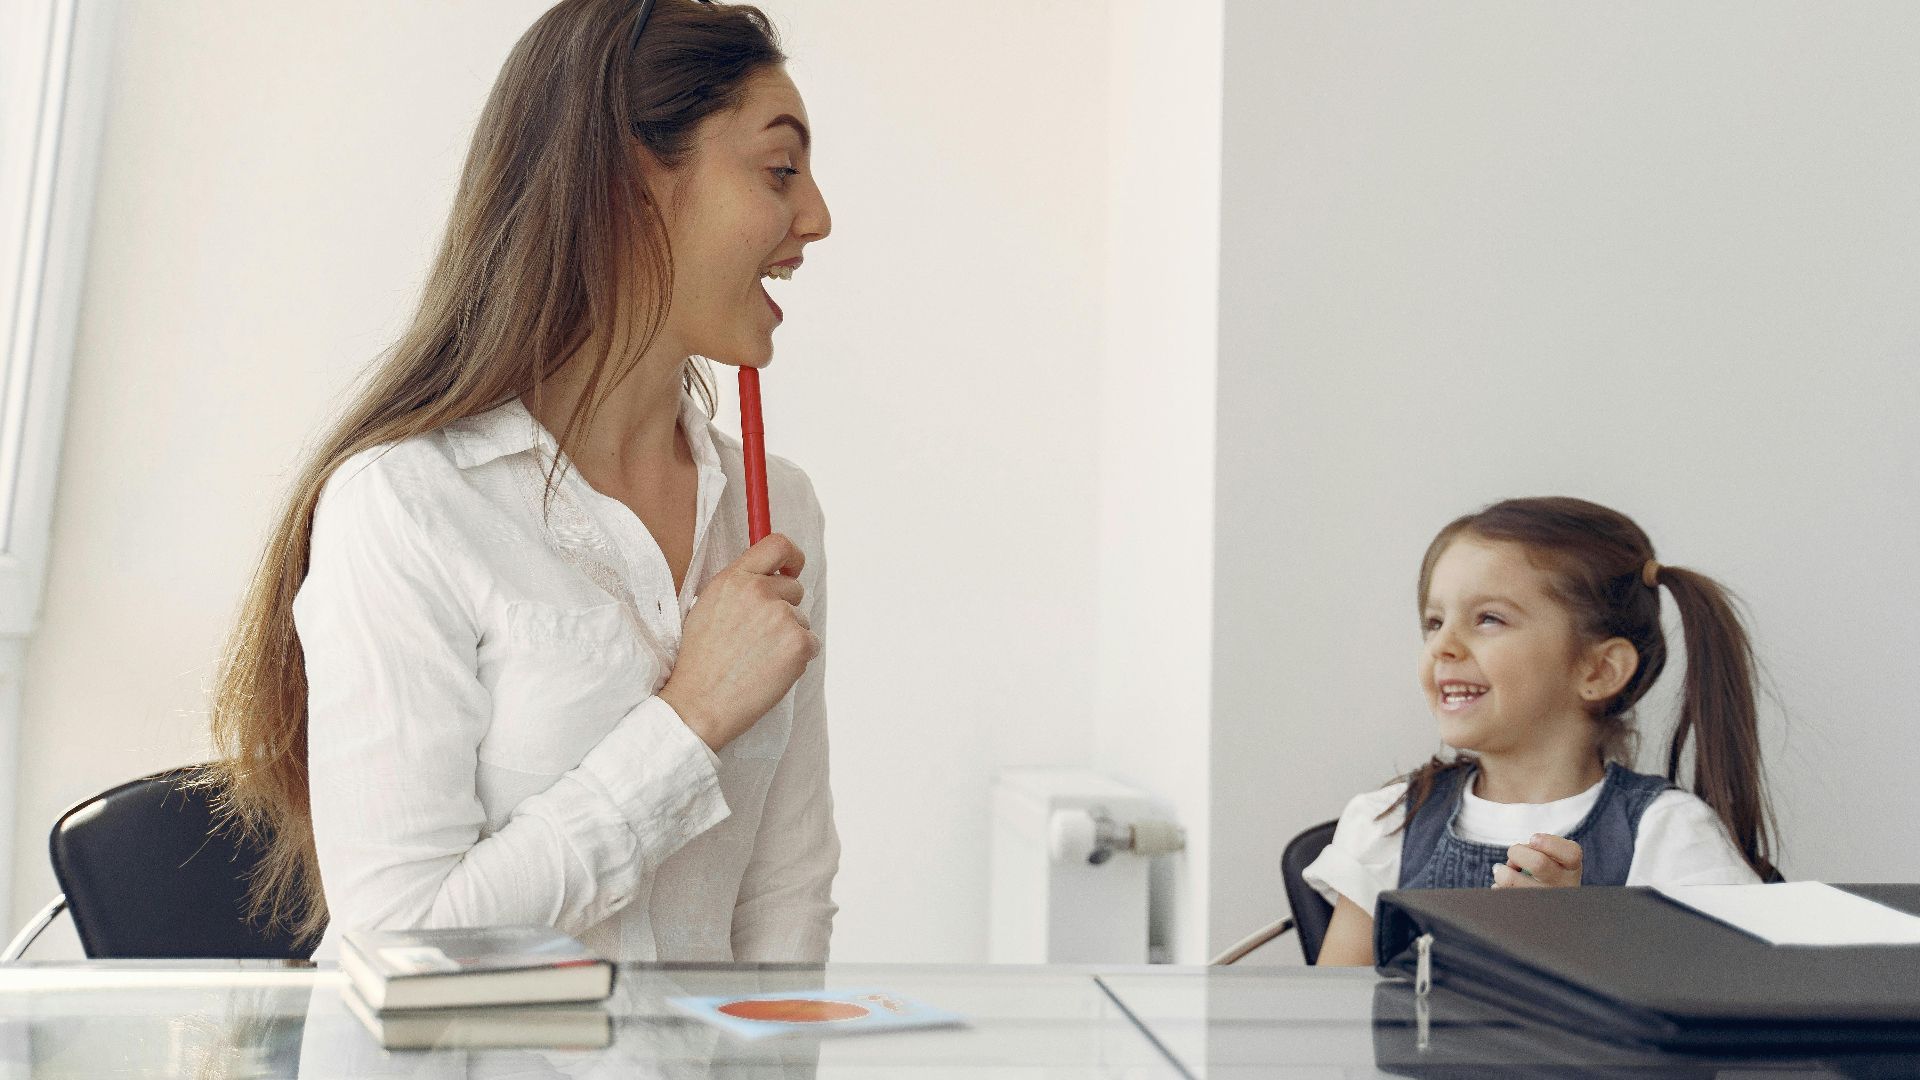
(1363,859)
(1349,941)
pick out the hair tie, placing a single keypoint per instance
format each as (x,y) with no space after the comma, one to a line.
(1650,574)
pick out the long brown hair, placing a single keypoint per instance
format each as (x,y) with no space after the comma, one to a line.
(555,248)
(1596,560)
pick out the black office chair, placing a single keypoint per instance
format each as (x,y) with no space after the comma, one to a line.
(1311,913)
(146,875)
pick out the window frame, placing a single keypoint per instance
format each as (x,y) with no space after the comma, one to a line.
(50,138)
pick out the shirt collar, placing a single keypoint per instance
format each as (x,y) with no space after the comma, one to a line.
(510,429)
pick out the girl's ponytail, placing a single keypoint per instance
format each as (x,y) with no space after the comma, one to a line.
(1717,708)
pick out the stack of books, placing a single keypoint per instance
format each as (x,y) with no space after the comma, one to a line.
(520,986)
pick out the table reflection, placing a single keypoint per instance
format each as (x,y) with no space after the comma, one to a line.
(253,1019)
(1238,1024)
(1450,1037)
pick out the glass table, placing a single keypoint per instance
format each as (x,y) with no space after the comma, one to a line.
(258,1019)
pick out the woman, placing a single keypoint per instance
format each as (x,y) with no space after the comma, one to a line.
(470,684)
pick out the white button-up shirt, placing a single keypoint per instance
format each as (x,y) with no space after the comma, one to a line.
(485,743)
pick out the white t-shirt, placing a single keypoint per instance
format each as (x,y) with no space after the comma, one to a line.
(1680,841)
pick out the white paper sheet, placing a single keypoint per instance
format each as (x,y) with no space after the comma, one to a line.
(1800,913)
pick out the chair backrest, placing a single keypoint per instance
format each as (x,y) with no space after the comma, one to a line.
(147,875)
(1311,913)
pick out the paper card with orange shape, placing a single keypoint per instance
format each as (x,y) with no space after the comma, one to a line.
(834,1012)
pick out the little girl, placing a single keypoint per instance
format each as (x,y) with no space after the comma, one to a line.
(1541,620)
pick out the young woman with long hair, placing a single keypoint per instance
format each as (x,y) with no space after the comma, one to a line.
(470,684)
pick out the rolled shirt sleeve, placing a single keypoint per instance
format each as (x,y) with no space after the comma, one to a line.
(1681,841)
(1364,858)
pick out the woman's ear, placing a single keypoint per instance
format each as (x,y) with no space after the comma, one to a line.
(1607,669)
(659,179)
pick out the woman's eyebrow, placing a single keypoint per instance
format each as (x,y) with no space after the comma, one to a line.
(792,121)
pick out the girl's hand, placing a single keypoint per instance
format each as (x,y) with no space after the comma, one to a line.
(1543,862)
(746,643)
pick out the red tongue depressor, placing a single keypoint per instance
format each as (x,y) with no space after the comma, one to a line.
(753,445)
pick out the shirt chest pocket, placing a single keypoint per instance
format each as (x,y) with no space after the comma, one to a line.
(561,677)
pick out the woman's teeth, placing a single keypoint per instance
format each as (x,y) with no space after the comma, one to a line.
(779,273)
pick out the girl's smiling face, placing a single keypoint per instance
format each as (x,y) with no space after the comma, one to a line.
(743,206)
(1503,667)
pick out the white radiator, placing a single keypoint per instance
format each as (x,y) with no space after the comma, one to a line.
(1071,855)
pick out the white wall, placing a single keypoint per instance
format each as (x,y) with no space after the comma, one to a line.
(929,378)
(273,182)
(1660,256)
(1156,392)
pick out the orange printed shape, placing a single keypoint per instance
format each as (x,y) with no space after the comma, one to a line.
(794,1010)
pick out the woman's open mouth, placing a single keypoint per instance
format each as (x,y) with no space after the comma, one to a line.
(780,271)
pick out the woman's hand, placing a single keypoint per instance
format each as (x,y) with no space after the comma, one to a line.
(1543,862)
(746,643)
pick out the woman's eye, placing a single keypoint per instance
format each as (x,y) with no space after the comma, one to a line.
(783,173)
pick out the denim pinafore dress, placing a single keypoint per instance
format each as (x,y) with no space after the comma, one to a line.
(1433,856)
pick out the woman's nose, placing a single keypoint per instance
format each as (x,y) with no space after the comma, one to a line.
(814,221)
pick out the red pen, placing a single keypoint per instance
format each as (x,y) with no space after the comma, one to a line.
(753,445)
